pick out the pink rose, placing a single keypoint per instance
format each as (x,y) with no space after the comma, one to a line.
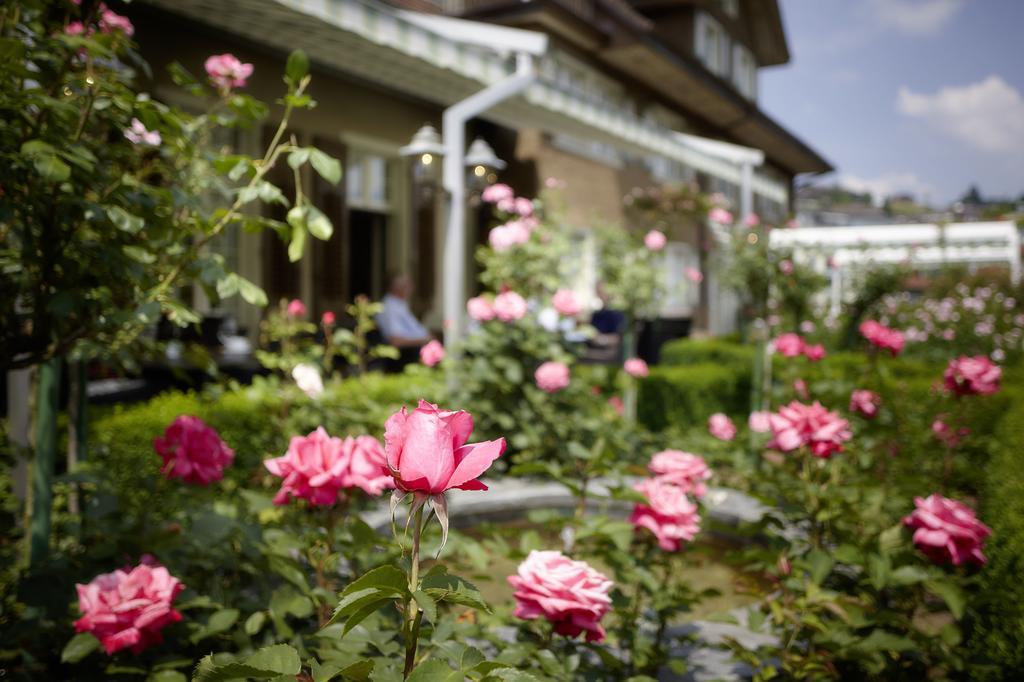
(815,352)
(193,451)
(496,192)
(655,240)
(786,267)
(797,425)
(367,466)
(226,71)
(947,531)
(789,345)
(427,451)
(616,404)
(694,275)
(752,220)
(865,402)
(686,470)
(504,237)
(328,319)
(566,303)
(480,309)
(947,435)
(570,594)
(635,367)
(523,207)
(432,353)
(721,427)
(296,308)
(720,215)
(808,327)
(111,21)
(668,513)
(509,306)
(552,377)
(75,28)
(137,134)
(758,422)
(129,608)
(972,376)
(800,387)
(883,337)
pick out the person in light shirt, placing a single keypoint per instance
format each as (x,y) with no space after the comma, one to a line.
(396,322)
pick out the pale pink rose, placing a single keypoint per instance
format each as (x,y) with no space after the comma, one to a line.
(752,220)
(570,594)
(129,608)
(226,71)
(432,353)
(797,425)
(947,531)
(523,207)
(972,376)
(427,452)
(308,379)
(668,513)
(720,215)
(566,303)
(694,275)
(792,224)
(655,240)
(193,451)
(883,337)
(790,345)
(318,467)
(496,192)
(718,199)
(552,377)
(684,469)
(721,427)
(111,21)
(76,28)
(635,367)
(786,267)
(480,309)
(328,319)
(296,308)
(815,352)
(504,237)
(137,134)
(616,404)
(758,422)
(865,403)
(808,327)
(509,306)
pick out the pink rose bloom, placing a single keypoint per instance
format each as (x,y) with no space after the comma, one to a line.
(947,531)
(758,422)
(328,319)
(721,427)
(496,192)
(694,275)
(432,353)
(752,220)
(193,451)
(111,21)
(655,240)
(617,405)
(800,386)
(815,352)
(552,377)
(504,237)
(635,367)
(226,71)
(669,513)
(509,306)
(972,376)
(427,452)
(137,134)
(947,435)
(523,207)
(129,608)
(75,28)
(367,466)
(684,469)
(786,267)
(480,309)
(865,403)
(570,594)
(797,425)
(566,303)
(789,345)
(883,337)
(296,308)
(720,215)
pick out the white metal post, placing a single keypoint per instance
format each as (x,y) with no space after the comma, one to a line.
(746,190)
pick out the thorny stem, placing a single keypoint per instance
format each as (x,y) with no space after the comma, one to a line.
(413,612)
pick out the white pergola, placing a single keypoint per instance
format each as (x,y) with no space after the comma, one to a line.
(836,251)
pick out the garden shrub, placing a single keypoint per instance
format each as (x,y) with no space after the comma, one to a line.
(720,351)
(686,395)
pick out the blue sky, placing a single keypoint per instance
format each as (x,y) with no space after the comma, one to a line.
(925,96)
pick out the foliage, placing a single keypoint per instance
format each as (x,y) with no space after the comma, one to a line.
(686,395)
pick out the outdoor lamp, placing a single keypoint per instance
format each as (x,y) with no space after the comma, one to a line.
(427,150)
(481,164)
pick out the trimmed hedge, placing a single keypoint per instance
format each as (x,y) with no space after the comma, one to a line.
(698,351)
(685,396)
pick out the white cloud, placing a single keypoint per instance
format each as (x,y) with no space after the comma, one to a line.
(915,17)
(988,115)
(887,185)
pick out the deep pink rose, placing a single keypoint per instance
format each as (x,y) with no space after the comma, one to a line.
(480,309)
(720,215)
(865,403)
(972,376)
(328,319)
(721,427)
(552,376)
(509,306)
(635,367)
(129,608)
(427,451)
(432,353)
(655,240)
(883,337)
(566,303)
(797,425)
(815,352)
(668,513)
(496,192)
(759,422)
(226,71)
(296,308)
(947,531)
(789,345)
(686,470)
(193,451)
(570,594)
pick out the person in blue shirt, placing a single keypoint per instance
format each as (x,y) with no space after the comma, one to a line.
(397,324)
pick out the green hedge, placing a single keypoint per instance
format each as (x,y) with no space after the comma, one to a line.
(683,396)
(697,351)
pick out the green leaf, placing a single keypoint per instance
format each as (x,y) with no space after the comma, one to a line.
(426,604)
(368,593)
(251,293)
(139,254)
(167,676)
(891,538)
(820,565)
(881,640)
(327,166)
(125,221)
(434,670)
(227,286)
(471,657)
(80,646)
(51,167)
(358,671)
(297,67)
(254,623)
(297,158)
(298,242)
(267,663)
(951,594)
(319,225)
(442,586)
(908,575)
(218,622)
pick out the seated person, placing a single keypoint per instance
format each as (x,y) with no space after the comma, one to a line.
(397,324)
(610,324)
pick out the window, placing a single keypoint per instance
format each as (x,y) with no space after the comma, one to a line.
(366,181)
(712,44)
(744,72)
